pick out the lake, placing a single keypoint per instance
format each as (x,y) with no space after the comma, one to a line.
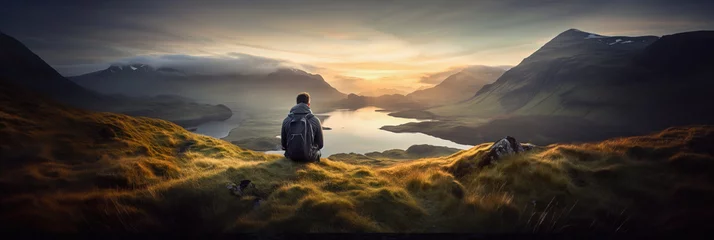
(220,129)
(354,131)
(358,131)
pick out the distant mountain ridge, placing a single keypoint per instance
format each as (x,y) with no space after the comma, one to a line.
(459,86)
(136,68)
(392,102)
(381,91)
(272,88)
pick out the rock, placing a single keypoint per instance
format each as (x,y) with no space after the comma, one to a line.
(504,147)
(246,187)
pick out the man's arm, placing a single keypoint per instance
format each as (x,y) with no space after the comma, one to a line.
(284,135)
(318,133)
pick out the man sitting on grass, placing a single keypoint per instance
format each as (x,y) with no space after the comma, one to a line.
(301,134)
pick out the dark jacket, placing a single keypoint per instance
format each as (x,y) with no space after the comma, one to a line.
(302,108)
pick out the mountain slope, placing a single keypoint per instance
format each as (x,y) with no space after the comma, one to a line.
(75,161)
(21,66)
(68,170)
(638,81)
(459,86)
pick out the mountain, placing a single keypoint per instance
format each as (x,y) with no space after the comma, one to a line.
(680,54)
(456,87)
(124,79)
(66,170)
(459,86)
(586,87)
(381,91)
(647,82)
(294,80)
(118,79)
(20,67)
(273,89)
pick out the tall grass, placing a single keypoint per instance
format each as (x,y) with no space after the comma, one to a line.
(110,172)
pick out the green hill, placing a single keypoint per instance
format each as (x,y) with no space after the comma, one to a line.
(69,170)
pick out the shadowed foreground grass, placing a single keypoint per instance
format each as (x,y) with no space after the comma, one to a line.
(68,170)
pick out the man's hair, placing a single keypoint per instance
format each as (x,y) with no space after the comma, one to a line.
(303,97)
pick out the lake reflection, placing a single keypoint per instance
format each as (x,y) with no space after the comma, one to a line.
(358,131)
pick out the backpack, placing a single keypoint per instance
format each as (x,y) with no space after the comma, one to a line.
(300,138)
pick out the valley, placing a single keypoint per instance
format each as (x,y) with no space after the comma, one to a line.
(619,133)
(89,171)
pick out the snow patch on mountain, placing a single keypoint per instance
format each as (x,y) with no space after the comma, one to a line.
(591,36)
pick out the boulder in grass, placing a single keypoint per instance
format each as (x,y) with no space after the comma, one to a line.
(504,147)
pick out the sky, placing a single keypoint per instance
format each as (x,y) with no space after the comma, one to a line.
(354,45)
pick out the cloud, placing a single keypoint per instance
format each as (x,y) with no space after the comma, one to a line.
(367,39)
(229,64)
(350,84)
(438,77)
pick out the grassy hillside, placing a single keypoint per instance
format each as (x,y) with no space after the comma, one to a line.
(67,170)
(63,167)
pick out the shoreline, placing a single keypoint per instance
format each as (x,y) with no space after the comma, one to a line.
(539,130)
(258,132)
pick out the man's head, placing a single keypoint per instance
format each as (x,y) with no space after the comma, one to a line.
(303,97)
